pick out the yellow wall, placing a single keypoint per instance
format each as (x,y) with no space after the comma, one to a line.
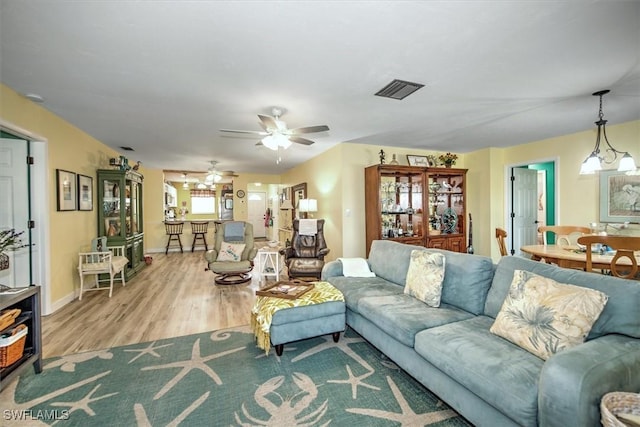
(71,149)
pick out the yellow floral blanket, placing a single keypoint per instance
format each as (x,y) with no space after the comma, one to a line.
(265,307)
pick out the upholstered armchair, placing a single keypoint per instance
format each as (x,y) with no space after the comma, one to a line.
(305,257)
(231,258)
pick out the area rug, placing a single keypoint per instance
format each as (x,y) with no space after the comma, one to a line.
(223,379)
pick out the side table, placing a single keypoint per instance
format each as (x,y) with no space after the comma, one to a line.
(269,263)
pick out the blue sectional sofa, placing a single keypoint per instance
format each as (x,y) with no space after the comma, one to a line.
(487,379)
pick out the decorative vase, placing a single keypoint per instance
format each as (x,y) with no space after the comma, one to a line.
(448,164)
(4,261)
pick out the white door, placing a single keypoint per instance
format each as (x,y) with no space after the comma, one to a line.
(525,209)
(256,208)
(14,208)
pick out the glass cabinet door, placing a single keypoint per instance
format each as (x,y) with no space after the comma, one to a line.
(401,205)
(111,225)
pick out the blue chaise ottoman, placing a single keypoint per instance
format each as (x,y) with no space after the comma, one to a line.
(277,321)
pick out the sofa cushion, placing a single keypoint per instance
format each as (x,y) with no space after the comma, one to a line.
(544,316)
(620,315)
(402,316)
(467,280)
(424,278)
(356,288)
(503,374)
(390,260)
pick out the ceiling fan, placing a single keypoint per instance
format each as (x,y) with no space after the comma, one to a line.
(277,134)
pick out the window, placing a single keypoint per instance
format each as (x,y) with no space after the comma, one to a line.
(203,202)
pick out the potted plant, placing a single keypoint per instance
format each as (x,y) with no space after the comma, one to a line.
(448,159)
(9,241)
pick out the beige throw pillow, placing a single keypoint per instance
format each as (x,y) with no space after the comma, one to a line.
(230,251)
(425,276)
(544,317)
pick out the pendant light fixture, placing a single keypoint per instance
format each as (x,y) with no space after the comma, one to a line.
(593,163)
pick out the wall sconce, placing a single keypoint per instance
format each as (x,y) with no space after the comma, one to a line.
(305,206)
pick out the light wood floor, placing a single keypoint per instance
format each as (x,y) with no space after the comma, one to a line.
(174,296)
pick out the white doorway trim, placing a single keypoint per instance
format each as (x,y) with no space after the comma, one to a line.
(39,211)
(509,196)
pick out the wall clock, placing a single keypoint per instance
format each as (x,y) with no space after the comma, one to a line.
(240,193)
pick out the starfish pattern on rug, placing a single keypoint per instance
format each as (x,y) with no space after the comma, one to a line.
(355,382)
(8,397)
(407,417)
(195,362)
(150,350)
(68,363)
(342,345)
(142,420)
(83,404)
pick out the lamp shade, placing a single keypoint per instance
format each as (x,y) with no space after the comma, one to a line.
(308,205)
(626,163)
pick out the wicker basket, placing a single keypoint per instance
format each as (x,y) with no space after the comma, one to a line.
(12,347)
(7,317)
(617,403)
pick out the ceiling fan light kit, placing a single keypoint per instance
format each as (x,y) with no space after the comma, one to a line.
(276,133)
(593,162)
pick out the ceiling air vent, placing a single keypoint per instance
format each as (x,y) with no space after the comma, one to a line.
(398,89)
(127,149)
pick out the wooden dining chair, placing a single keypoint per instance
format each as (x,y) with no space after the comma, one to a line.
(562,233)
(624,247)
(501,237)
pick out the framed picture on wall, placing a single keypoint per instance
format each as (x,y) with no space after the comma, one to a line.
(85,193)
(66,189)
(619,197)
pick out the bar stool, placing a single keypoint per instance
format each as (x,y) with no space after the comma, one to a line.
(199,231)
(174,230)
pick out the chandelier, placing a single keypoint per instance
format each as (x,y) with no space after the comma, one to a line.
(593,163)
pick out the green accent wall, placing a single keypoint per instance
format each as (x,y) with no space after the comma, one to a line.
(549,168)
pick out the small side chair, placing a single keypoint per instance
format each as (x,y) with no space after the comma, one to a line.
(102,260)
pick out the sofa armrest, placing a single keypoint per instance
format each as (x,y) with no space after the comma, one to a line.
(573,381)
(331,269)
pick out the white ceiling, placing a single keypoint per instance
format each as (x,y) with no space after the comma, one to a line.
(164,76)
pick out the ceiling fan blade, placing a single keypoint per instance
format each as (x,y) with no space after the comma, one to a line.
(268,121)
(251,132)
(300,140)
(309,129)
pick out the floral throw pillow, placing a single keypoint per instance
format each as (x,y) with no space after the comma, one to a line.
(230,251)
(544,317)
(425,276)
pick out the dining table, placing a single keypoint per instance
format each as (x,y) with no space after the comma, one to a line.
(571,256)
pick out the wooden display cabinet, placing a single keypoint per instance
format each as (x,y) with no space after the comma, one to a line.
(416,205)
(120,214)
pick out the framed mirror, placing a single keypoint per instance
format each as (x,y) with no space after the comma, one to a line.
(298,192)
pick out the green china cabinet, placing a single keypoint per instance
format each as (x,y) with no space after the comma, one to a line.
(120,214)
